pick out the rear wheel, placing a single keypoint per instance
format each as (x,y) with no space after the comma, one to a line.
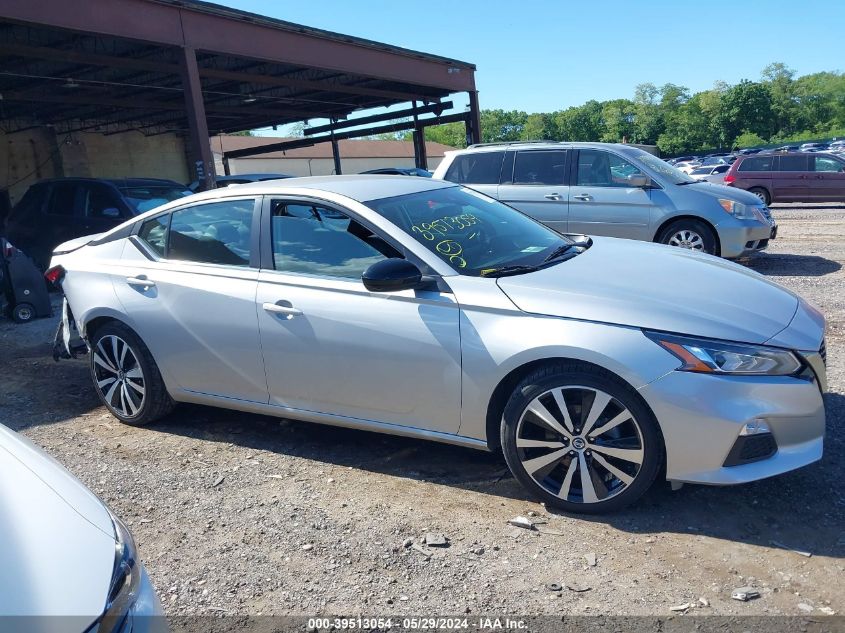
(691,234)
(23,312)
(126,377)
(762,194)
(580,439)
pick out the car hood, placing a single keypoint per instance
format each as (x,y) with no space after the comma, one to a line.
(721,191)
(658,287)
(57,543)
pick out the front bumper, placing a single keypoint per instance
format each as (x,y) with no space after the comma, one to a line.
(702,416)
(746,237)
(146,614)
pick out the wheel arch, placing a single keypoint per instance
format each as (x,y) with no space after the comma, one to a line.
(689,216)
(501,393)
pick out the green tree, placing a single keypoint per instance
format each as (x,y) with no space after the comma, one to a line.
(746,106)
(618,117)
(539,126)
(580,123)
(502,125)
(748,139)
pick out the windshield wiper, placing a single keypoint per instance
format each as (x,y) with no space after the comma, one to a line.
(687,182)
(504,271)
(560,250)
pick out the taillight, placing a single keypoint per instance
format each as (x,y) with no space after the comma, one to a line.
(729,178)
(55,275)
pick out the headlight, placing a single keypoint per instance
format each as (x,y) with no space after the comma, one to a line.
(125,581)
(741,211)
(715,357)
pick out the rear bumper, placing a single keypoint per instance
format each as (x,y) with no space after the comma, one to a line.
(702,417)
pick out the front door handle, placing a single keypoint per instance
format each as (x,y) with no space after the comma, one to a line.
(584,196)
(552,196)
(142,281)
(287,311)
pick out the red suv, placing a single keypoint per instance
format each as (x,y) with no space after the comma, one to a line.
(790,177)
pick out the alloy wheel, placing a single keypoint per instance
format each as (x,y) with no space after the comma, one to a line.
(687,239)
(119,377)
(580,444)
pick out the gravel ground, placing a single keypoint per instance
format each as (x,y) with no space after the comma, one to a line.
(243,514)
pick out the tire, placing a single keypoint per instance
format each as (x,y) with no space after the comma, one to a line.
(691,234)
(126,378)
(550,465)
(762,194)
(23,313)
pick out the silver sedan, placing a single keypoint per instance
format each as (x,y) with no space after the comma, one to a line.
(425,309)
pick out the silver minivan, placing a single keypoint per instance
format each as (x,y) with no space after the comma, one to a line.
(615,190)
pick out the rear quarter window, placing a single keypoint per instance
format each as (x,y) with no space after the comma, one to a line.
(477,168)
(757,163)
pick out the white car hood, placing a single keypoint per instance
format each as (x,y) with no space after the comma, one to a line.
(658,287)
(57,544)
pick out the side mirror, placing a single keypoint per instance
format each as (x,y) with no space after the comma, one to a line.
(390,275)
(111,212)
(639,180)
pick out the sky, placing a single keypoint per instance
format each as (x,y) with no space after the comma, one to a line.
(541,56)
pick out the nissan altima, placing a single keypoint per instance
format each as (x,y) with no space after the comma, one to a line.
(67,565)
(425,309)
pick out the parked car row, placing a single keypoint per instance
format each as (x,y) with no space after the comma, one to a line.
(790,177)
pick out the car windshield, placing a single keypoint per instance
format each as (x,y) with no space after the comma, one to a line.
(660,166)
(474,234)
(143,199)
(701,171)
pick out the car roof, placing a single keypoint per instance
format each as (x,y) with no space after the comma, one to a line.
(253,176)
(487,147)
(357,187)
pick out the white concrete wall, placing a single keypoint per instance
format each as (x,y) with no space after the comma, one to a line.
(314,166)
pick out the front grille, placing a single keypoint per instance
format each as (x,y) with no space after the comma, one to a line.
(751,448)
(823,352)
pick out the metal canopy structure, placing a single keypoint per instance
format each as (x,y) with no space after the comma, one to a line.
(185,66)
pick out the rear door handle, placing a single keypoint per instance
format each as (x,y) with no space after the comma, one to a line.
(584,196)
(141,281)
(279,308)
(552,196)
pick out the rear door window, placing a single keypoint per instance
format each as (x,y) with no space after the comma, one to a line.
(793,163)
(213,233)
(540,167)
(476,168)
(154,233)
(758,163)
(62,199)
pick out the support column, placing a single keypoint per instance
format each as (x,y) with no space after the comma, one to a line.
(335,152)
(200,158)
(473,123)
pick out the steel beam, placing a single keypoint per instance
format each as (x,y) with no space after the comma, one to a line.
(313,140)
(201,160)
(473,122)
(437,108)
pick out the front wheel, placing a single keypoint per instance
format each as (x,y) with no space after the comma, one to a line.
(580,439)
(126,377)
(691,234)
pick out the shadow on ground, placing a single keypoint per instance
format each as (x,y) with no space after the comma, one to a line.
(786,265)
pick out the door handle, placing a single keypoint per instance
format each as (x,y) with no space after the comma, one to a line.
(552,196)
(287,311)
(583,196)
(141,280)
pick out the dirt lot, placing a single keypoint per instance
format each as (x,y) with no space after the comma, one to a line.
(244,514)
